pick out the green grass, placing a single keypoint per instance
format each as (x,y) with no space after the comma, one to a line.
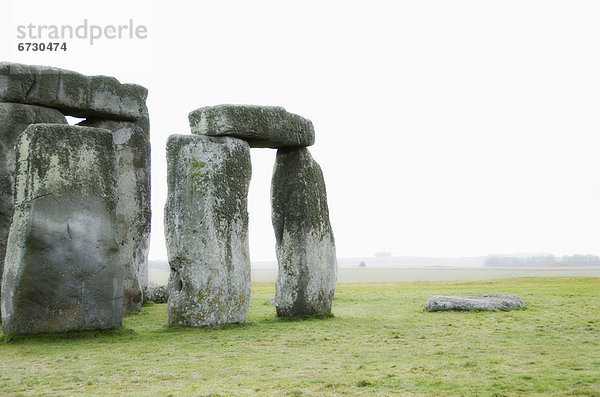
(380,342)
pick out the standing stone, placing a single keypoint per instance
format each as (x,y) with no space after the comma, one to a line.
(14,118)
(260,126)
(62,267)
(206,230)
(305,243)
(132,150)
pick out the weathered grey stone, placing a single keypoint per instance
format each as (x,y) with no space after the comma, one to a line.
(132,150)
(62,269)
(70,92)
(260,126)
(305,243)
(206,229)
(497,301)
(156,293)
(14,118)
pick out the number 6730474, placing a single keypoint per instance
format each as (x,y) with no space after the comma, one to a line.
(42,46)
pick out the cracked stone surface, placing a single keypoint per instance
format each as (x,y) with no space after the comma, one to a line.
(304,238)
(72,93)
(62,269)
(495,301)
(260,126)
(132,151)
(206,229)
(14,118)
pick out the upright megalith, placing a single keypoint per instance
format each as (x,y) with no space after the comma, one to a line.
(260,126)
(62,269)
(304,238)
(132,161)
(206,229)
(14,118)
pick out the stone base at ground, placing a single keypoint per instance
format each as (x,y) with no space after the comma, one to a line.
(206,230)
(496,301)
(62,269)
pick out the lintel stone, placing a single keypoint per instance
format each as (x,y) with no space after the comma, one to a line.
(260,126)
(72,93)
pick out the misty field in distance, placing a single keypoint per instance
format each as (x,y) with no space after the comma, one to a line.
(160,275)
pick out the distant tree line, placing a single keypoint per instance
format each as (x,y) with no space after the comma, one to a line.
(543,260)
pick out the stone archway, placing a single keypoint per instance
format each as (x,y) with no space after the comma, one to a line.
(206,218)
(40,97)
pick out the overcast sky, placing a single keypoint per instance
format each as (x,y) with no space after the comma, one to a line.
(444,128)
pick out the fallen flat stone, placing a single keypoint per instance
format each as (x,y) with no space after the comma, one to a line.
(62,269)
(495,301)
(70,92)
(304,238)
(206,230)
(14,118)
(132,154)
(260,126)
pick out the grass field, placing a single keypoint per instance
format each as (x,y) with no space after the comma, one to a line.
(380,342)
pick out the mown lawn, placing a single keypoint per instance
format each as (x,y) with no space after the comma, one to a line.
(380,342)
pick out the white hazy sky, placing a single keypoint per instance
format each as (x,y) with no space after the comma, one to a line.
(444,128)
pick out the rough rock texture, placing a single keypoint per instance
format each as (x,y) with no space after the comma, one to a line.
(305,243)
(62,268)
(260,126)
(498,301)
(14,118)
(70,92)
(132,150)
(206,229)
(156,293)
